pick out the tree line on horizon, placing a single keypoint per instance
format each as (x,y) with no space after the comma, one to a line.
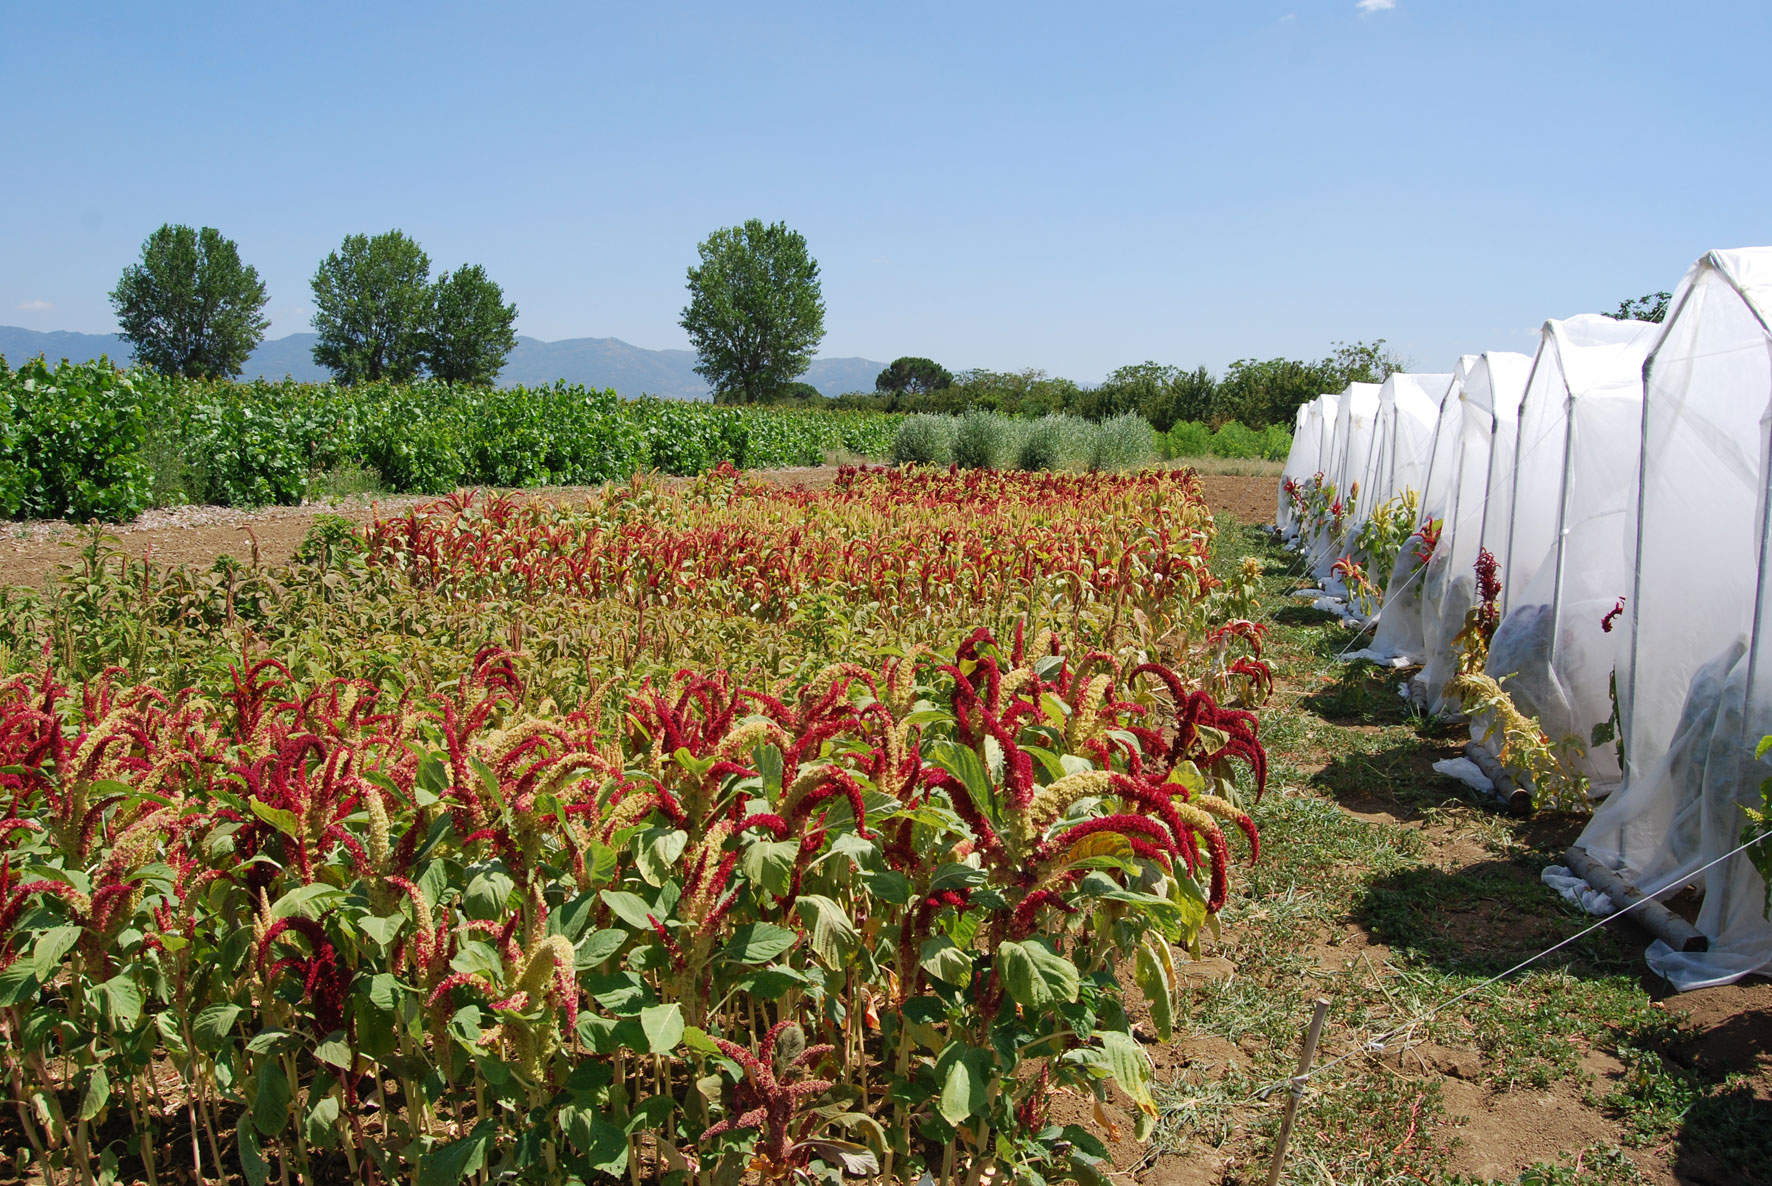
(755,316)
(191,307)
(1254,392)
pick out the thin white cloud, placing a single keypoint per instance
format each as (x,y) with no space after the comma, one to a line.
(35,307)
(1376,5)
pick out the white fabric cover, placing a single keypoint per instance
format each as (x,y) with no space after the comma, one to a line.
(1399,637)
(1695,689)
(1408,408)
(1415,413)
(1301,462)
(1328,406)
(1356,414)
(1489,396)
(1566,560)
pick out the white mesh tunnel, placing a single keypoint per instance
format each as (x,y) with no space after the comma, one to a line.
(1566,559)
(1490,394)
(1327,406)
(1414,413)
(1408,410)
(1695,687)
(1355,417)
(1399,637)
(1301,463)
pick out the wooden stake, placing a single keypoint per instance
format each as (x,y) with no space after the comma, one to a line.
(1307,1056)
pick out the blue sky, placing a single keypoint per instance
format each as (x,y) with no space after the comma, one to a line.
(1070,187)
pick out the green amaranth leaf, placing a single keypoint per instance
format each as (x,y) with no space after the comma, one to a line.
(49,947)
(215,1024)
(833,936)
(1131,1067)
(1036,975)
(758,943)
(630,908)
(770,864)
(451,1163)
(96,1093)
(1152,979)
(270,1105)
(965,1076)
(663,1025)
(943,960)
(279,818)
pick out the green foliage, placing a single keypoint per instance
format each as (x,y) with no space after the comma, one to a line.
(372,308)
(1122,442)
(1014,393)
(916,376)
(1234,440)
(1758,830)
(395,868)
(470,331)
(1649,307)
(72,442)
(1188,438)
(1270,391)
(1256,393)
(924,439)
(1193,438)
(1187,395)
(190,307)
(92,441)
(1054,441)
(755,312)
(984,441)
(1276,442)
(1162,394)
(252,446)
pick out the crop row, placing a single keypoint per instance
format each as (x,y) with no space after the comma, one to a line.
(720,830)
(89,441)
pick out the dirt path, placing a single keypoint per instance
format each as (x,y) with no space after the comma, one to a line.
(30,553)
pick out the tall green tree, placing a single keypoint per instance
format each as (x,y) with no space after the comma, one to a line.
(372,308)
(917,376)
(471,328)
(755,312)
(1162,394)
(190,307)
(1260,392)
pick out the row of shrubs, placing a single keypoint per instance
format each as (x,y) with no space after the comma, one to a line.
(1191,438)
(990,440)
(86,440)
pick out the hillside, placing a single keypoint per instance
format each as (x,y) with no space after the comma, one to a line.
(594,362)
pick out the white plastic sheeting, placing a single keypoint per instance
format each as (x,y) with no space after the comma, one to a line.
(1567,559)
(1490,395)
(1301,461)
(1328,407)
(1399,638)
(1695,690)
(1408,412)
(1355,417)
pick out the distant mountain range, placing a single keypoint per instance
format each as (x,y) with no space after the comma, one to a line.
(594,362)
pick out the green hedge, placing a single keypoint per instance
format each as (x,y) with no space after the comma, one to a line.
(1191,438)
(90,441)
(991,440)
